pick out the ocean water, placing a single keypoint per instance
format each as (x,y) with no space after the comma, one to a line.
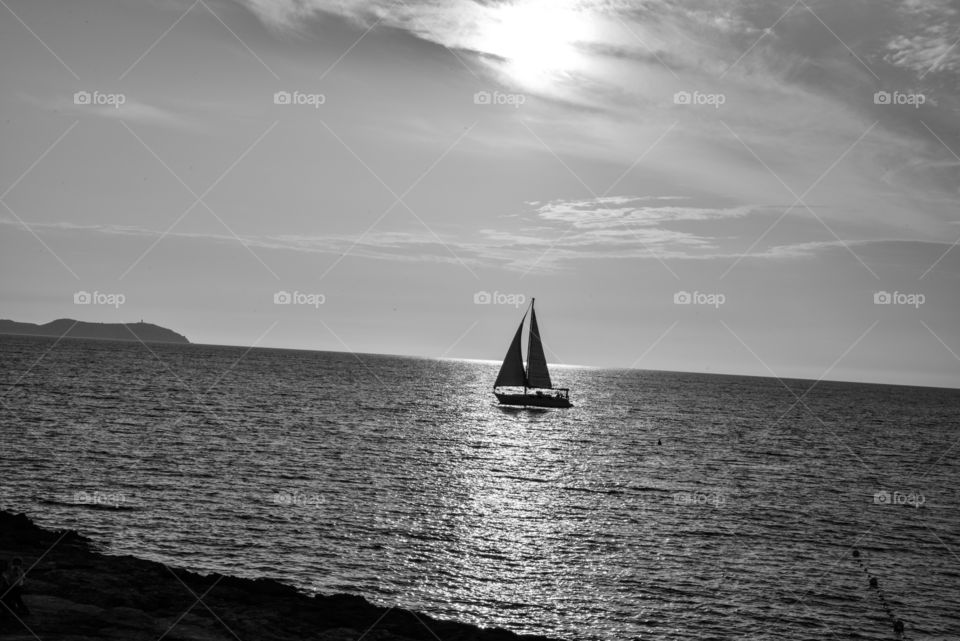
(662,506)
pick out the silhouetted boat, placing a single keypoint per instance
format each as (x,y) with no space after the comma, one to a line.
(534,381)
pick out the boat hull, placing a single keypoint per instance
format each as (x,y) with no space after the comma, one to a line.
(533,400)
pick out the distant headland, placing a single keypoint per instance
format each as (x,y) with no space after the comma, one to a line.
(67,327)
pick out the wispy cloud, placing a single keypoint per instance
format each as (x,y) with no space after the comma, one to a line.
(611,212)
(114,106)
(933,51)
(551,237)
(930,43)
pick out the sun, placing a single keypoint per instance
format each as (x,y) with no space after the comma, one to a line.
(538,39)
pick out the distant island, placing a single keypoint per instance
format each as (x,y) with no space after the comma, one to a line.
(70,328)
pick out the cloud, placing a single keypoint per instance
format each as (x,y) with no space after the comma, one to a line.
(114,106)
(928,42)
(553,237)
(700,37)
(934,50)
(611,212)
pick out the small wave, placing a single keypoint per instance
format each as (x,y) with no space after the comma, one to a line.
(532,479)
(590,490)
(116,507)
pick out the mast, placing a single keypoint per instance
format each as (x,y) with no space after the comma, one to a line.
(537,373)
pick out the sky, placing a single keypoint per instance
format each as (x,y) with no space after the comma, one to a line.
(760,187)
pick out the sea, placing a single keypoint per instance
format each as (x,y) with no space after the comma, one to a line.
(663,505)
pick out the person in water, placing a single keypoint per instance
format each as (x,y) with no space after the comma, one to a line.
(13,578)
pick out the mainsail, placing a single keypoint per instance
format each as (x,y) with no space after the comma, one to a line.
(511,372)
(537,373)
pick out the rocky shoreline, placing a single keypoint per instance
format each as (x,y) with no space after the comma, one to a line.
(76,594)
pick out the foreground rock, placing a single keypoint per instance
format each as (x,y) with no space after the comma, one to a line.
(76,593)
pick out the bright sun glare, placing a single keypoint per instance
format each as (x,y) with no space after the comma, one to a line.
(538,39)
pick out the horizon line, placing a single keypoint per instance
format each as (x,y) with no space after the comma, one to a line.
(492,361)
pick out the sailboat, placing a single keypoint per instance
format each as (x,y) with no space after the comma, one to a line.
(531,386)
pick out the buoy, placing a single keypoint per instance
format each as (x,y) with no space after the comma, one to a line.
(898,625)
